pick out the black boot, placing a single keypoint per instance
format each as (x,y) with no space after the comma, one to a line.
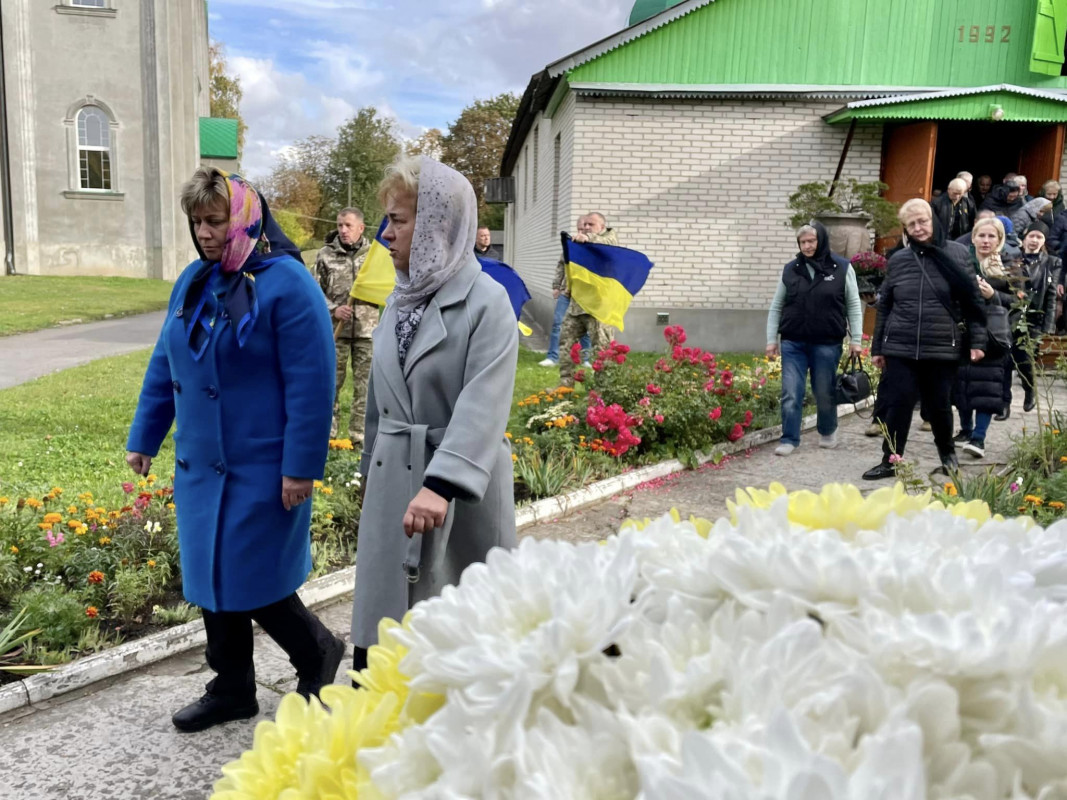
(214,709)
(950,465)
(1029,401)
(311,684)
(312,649)
(1003,415)
(359,661)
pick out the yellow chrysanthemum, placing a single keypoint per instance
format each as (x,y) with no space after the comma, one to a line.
(842,507)
(308,752)
(703,526)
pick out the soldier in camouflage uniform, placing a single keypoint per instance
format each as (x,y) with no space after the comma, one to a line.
(577,322)
(336,268)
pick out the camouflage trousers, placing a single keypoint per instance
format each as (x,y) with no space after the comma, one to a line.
(574,327)
(358,351)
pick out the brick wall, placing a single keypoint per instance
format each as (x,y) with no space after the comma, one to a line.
(701,187)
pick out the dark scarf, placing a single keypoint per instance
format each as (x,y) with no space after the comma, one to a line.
(216,283)
(822,261)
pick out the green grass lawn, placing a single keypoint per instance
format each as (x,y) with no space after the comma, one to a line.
(69,429)
(32,302)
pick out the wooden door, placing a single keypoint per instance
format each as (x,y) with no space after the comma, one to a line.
(907,167)
(1040,156)
(908,160)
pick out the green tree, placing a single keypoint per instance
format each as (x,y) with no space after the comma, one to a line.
(474,145)
(429,143)
(365,146)
(226,92)
(295,198)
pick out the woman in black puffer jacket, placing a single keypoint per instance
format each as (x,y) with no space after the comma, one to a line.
(978,394)
(928,292)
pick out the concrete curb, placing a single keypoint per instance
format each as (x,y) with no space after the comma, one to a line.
(126,657)
(148,650)
(553,507)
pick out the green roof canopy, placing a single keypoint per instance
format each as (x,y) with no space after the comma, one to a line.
(218,138)
(1003,103)
(644,9)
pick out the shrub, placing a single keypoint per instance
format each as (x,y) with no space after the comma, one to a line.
(60,615)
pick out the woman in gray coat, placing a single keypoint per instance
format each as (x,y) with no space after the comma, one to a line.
(437,467)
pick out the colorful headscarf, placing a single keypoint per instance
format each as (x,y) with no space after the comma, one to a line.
(253,242)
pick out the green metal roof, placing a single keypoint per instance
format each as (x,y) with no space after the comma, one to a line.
(643,9)
(218,137)
(914,43)
(1000,103)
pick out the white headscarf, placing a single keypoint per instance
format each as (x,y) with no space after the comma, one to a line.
(446,224)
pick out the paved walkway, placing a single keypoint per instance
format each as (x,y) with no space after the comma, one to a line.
(114,739)
(30,355)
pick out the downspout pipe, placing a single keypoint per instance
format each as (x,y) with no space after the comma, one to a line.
(5,168)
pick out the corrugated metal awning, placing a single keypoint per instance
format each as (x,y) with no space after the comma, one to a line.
(1000,103)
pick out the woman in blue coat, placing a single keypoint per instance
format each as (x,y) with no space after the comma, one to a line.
(245,366)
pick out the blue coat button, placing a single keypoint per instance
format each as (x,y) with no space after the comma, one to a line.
(220,468)
(176,386)
(212,392)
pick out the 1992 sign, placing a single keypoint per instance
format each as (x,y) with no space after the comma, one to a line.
(985,34)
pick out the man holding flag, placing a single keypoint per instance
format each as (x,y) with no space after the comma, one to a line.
(336,267)
(578,322)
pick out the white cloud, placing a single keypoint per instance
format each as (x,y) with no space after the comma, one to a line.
(306,67)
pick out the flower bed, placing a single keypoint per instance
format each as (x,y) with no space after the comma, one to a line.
(684,403)
(810,645)
(87,575)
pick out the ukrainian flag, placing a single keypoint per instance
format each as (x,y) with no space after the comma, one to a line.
(376,277)
(603,278)
(510,280)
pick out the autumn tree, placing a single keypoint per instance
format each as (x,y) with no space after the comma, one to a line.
(429,143)
(226,92)
(474,145)
(365,146)
(295,198)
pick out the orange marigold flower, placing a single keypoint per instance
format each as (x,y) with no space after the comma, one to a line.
(56,491)
(1033,498)
(104,540)
(52,517)
(171,506)
(92,612)
(950,489)
(72,509)
(33,502)
(44,526)
(327,490)
(96,576)
(1056,504)
(73,523)
(14,549)
(151,563)
(4,501)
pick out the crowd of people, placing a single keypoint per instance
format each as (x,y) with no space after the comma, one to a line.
(975,283)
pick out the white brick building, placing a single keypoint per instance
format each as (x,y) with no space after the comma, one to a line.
(696,175)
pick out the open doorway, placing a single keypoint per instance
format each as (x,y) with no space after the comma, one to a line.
(996,148)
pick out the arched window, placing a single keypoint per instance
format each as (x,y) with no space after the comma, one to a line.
(94,149)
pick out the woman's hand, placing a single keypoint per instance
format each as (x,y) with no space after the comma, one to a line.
(878,361)
(977,355)
(139,462)
(855,349)
(771,350)
(426,512)
(295,491)
(985,288)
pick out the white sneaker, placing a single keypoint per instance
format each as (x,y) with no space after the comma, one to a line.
(784,449)
(548,362)
(829,441)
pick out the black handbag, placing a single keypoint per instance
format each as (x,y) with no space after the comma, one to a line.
(998,330)
(853,384)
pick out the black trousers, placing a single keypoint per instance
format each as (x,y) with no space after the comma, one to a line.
(288,622)
(906,381)
(1020,360)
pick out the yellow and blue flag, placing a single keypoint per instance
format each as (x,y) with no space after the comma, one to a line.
(512,283)
(376,277)
(604,278)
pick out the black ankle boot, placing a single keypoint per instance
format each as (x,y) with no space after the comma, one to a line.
(214,709)
(1003,415)
(1029,401)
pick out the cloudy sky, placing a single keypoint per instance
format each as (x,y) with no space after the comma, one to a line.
(307,65)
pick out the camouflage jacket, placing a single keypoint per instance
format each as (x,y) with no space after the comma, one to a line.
(336,269)
(560,281)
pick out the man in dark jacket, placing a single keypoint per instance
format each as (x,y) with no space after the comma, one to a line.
(917,342)
(1036,282)
(1004,200)
(483,247)
(955,209)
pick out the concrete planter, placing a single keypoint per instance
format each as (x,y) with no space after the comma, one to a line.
(849,233)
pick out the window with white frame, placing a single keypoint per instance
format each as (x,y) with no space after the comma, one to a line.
(94,149)
(89,3)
